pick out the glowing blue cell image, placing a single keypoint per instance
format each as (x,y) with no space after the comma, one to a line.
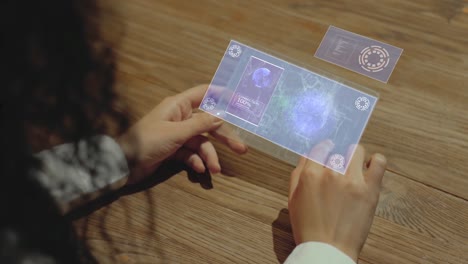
(311,112)
(261,77)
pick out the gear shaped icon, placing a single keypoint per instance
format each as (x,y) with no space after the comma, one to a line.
(362,103)
(374,58)
(337,161)
(235,51)
(209,104)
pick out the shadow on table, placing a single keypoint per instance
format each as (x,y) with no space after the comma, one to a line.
(107,215)
(283,241)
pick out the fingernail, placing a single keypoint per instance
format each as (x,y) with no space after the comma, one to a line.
(379,158)
(245,147)
(215,169)
(217,121)
(328,144)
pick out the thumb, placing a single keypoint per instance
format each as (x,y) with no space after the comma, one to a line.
(198,124)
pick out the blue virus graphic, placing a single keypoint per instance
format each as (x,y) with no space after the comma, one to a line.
(261,77)
(311,113)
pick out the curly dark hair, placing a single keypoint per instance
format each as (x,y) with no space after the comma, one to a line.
(57,83)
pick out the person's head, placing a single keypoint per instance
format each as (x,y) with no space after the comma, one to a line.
(57,85)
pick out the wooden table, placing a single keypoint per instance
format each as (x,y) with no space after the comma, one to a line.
(420,124)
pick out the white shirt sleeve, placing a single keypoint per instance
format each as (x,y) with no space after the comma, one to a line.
(317,253)
(77,173)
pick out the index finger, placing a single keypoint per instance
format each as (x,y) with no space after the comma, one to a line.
(357,154)
(318,156)
(377,167)
(226,135)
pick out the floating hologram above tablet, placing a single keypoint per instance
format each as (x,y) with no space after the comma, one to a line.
(289,106)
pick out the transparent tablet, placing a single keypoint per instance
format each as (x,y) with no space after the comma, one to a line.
(286,110)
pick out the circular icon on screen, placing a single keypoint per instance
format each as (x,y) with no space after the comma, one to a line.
(362,103)
(337,161)
(374,58)
(209,104)
(235,51)
(261,77)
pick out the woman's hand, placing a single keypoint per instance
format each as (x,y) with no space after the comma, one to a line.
(172,130)
(328,207)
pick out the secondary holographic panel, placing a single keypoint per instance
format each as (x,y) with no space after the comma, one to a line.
(360,54)
(290,106)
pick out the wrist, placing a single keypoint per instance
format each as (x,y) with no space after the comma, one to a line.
(318,252)
(345,249)
(353,254)
(128,149)
(128,144)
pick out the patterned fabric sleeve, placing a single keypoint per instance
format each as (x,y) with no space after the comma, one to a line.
(77,173)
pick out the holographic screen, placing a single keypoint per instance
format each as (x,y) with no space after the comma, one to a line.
(287,111)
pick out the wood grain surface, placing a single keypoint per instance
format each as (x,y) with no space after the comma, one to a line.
(420,124)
